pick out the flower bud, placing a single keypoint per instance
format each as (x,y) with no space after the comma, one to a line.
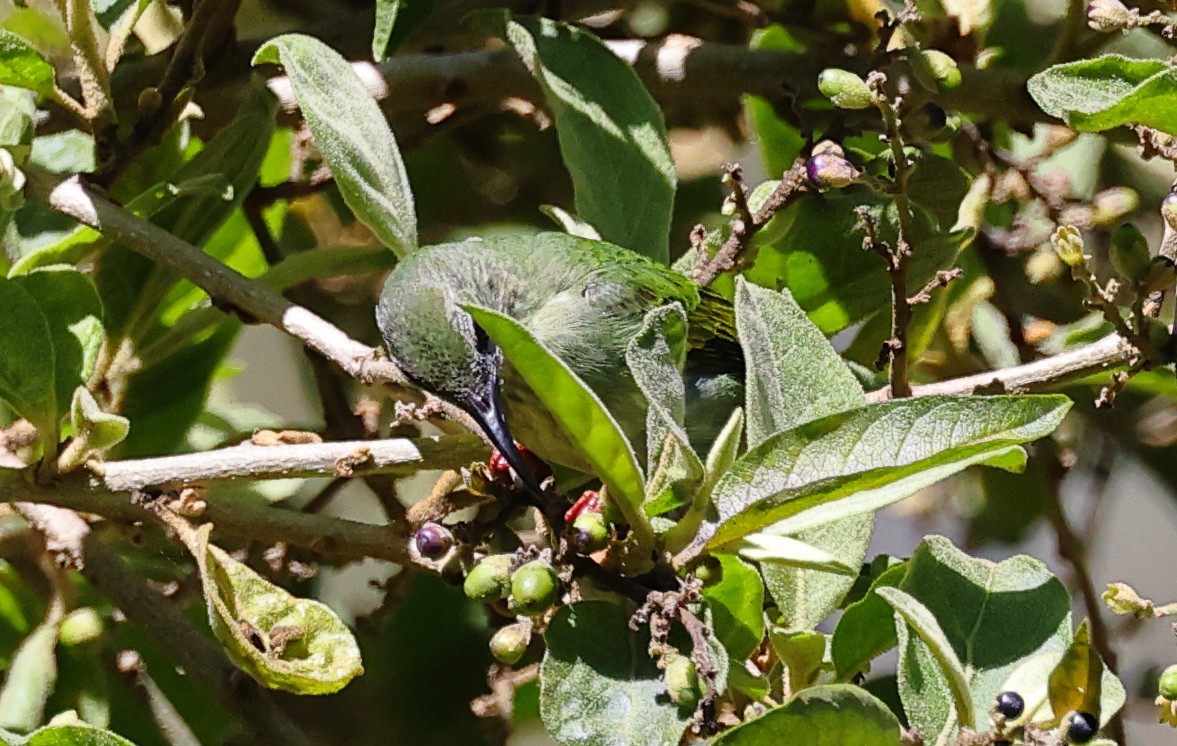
(682,681)
(1108,15)
(589,532)
(1167,684)
(828,171)
(510,643)
(533,588)
(1068,244)
(1111,205)
(433,540)
(490,579)
(1129,253)
(943,68)
(845,89)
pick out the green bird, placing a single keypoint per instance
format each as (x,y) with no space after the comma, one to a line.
(584,300)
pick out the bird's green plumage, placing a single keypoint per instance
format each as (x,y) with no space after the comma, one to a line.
(584,300)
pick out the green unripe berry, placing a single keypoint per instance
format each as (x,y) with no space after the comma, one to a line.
(943,68)
(533,588)
(1167,685)
(589,532)
(682,681)
(1111,205)
(490,579)
(510,643)
(1130,255)
(845,89)
(80,626)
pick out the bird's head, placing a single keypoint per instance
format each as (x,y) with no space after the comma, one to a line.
(440,347)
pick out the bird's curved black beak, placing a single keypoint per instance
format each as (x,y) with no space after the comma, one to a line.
(487,410)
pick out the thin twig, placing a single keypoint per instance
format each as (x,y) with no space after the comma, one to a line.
(1048,373)
(334,539)
(401,456)
(748,223)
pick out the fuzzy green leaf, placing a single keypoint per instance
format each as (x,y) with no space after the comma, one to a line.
(598,685)
(352,134)
(580,413)
(859,461)
(284,642)
(78,734)
(612,135)
(833,715)
(386,13)
(865,629)
(655,356)
(910,613)
(1105,92)
(30,679)
(100,430)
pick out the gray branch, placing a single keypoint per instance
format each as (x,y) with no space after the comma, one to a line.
(399,456)
(1110,352)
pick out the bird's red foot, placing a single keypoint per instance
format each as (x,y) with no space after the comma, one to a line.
(588,502)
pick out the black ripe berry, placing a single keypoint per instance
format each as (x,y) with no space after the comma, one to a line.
(1011,705)
(1082,728)
(433,541)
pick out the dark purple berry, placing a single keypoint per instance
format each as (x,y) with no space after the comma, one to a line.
(433,541)
(937,117)
(1082,728)
(1010,705)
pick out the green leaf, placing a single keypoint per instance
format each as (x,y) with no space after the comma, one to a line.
(386,12)
(865,629)
(598,685)
(293,644)
(612,135)
(1032,678)
(655,356)
(23,66)
(73,311)
(794,375)
(819,257)
(910,613)
(99,430)
(785,551)
(861,460)
(735,595)
(833,715)
(30,679)
(993,616)
(17,107)
(352,135)
(26,367)
(579,412)
(1099,94)
(805,594)
(802,655)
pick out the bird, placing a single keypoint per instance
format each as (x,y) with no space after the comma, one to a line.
(583,299)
